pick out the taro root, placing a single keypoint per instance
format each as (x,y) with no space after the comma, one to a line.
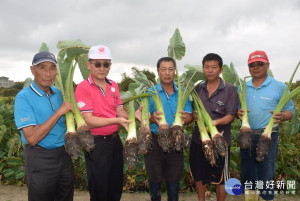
(145,139)
(131,153)
(72,146)
(164,137)
(86,138)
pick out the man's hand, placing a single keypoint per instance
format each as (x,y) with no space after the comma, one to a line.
(279,117)
(156,117)
(138,113)
(65,107)
(241,112)
(123,122)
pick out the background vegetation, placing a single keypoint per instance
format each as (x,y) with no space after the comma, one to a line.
(11,150)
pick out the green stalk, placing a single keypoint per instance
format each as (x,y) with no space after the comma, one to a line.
(207,119)
(264,141)
(145,112)
(218,140)
(242,97)
(283,101)
(159,106)
(131,144)
(132,125)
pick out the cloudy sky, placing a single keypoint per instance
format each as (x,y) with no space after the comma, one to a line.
(138,31)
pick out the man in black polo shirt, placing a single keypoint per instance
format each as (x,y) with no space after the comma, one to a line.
(221,102)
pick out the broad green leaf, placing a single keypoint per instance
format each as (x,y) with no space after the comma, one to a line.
(15,161)
(44,48)
(1,166)
(20,175)
(82,60)
(176,48)
(270,73)
(8,172)
(230,75)
(27,82)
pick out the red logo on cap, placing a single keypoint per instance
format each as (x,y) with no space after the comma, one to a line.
(101,50)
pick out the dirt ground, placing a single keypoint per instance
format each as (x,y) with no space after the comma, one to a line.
(16,193)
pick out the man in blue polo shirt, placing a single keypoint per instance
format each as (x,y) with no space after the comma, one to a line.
(262,95)
(162,165)
(39,115)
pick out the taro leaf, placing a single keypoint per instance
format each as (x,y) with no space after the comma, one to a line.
(1,166)
(27,82)
(186,76)
(176,48)
(82,60)
(44,48)
(70,50)
(125,95)
(270,73)
(3,130)
(230,75)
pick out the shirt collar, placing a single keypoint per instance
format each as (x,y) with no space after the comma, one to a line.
(266,82)
(91,81)
(221,84)
(38,90)
(160,88)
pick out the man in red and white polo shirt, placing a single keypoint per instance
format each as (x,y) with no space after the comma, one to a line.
(99,101)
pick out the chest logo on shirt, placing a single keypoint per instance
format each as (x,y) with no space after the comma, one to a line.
(220,103)
(80,104)
(113,89)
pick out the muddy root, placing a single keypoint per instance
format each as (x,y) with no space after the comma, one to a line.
(144,140)
(262,147)
(131,153)
(245,138)
(220,144)
(177,138)
(72,145)
(164,137)
(209,153)
(86,138)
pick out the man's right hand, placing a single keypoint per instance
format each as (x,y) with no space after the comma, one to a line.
(241,112)
(156,117)
(65,107)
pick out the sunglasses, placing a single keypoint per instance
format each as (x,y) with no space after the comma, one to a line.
(258,64)
(98,64)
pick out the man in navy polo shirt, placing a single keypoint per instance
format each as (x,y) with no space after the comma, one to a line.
(220,99)
(262,95)
(39,115)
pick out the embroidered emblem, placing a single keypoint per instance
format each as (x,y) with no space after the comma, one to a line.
(25,119)
(101,50)
(220,103)
(81,104)
(113,89)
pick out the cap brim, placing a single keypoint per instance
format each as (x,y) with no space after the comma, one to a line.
(44,60)
(257,59)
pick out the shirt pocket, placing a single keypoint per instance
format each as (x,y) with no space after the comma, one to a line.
(220,108)
(266,103)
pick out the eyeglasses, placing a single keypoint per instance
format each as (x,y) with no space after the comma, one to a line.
(99,64)
(258,64)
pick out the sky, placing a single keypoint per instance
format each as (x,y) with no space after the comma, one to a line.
(138,32)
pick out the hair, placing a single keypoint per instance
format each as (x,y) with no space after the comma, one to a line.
(212,57)
(166,59)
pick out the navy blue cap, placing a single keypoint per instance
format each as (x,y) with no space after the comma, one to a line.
(42,57)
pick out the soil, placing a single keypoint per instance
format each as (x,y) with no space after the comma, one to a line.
(16,193)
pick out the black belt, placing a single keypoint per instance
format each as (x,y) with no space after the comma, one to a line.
(34,147)
(106,137)
(259,131)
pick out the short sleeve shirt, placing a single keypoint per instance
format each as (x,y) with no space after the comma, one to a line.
(34,107)
(91,98)
(263,99)
(224,101)
(169,104)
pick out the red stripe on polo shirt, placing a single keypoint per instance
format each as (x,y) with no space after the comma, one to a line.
(90,98)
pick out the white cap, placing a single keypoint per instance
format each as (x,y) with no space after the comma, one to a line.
(99,52)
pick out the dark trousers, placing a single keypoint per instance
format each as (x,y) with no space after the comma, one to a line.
(163,165)
(105,169)
(48,174)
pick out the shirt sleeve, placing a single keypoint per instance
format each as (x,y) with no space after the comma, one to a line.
(232,102)
(83,98)
(23,112)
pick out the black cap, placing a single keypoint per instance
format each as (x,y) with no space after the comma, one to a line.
(42,57)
